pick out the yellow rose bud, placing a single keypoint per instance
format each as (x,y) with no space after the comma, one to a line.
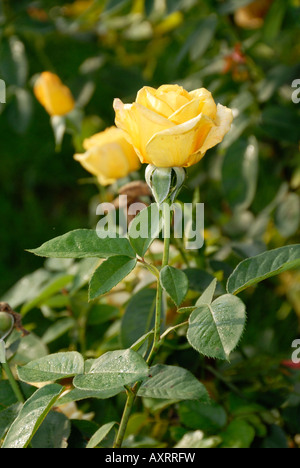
(170,127)
(252,16)
(108,156)
(54,96)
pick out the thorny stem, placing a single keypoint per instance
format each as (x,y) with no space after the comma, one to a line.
(131,395)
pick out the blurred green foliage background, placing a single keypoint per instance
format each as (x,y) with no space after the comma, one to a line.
(250,184)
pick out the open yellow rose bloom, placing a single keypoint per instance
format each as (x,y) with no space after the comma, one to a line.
(54,96)
(108,156)
(170,127)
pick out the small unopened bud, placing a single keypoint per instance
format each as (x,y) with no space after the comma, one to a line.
(165,182)
(6,324)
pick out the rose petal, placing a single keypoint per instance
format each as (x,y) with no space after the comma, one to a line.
(114,135)
(173,147)
(207,104)
(147,98)
(110,135)
(223,123)
(173,95)
(140,124)
(108,162)
(195,158)
(187,112)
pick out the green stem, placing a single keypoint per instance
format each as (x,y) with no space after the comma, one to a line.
(13,383)
(159,296)
(149,267)
(181,251)
(167,233)
(131,395)
(172,329)
(157,325)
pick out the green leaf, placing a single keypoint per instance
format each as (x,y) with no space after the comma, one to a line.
(175,282)
(142,344)
(54,286)
(277,438)
(203,37)
(255,269)
(199,280)
(240,172)
(239,434)
(53,433)
(100,435)
(58,329)
(208,295)
(58,301)
(138,318)
(52,367)
(84,243)
(27,288)
(195,414)
(144,229)
(77,395)
(85,269)
(215,330)
(155,405)
(173,383)
(102,313)
(274,19)
(287,215)
(275,78)
(283,121)
(14,63)
(112,371)
(109,274)
(28,348)
(31,416)
(8,416)
(199,40)
(121,361)
(20,110)
(7,397)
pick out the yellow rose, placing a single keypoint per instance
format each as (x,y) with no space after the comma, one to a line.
(252,16)
(54,96)
(108,156)
(170,127)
